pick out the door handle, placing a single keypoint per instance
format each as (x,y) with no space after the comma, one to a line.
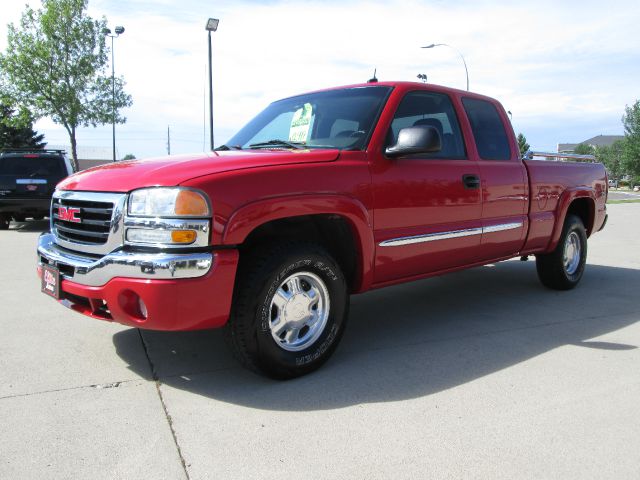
(471,181)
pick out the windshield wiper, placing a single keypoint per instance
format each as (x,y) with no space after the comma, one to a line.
(278,143)
(223,148)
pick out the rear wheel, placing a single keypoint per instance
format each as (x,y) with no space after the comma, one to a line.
(4,221)
(290,310)
(19,218)
(562,269)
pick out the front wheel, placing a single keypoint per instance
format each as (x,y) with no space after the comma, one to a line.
(290,309)
(562,269)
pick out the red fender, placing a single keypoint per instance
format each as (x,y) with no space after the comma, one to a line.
(249,217)
(567,197)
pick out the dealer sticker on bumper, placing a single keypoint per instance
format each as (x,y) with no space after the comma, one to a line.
(51,281)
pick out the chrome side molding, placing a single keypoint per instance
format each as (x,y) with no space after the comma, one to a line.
(431,237)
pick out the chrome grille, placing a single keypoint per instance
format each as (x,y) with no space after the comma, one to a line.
(93,225)
(96,225)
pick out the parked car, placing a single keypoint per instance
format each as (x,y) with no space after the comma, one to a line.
(320,196)
(27,181)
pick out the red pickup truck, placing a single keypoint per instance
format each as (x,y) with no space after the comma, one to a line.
(320,196)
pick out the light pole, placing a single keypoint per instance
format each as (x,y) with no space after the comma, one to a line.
(455,50)
(119,30)
(211,26)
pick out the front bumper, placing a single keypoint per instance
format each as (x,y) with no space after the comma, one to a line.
(92,271)
(179,291)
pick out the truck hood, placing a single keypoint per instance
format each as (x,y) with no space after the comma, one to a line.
(169,171)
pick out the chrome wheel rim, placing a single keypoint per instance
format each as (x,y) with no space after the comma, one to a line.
(572,253)
(299,311)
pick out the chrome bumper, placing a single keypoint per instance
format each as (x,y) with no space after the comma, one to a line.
(96,272)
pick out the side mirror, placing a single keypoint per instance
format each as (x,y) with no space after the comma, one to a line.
(419,139)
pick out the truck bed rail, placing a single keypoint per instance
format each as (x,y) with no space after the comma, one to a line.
(559,157)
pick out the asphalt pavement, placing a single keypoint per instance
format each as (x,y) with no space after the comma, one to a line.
(478,374)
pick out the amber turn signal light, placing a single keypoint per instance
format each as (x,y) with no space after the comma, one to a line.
(192,204)
(183,236)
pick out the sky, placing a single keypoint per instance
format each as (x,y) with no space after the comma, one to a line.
(565,69)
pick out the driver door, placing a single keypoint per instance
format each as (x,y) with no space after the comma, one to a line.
(427,207)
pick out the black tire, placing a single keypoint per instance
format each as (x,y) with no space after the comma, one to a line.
(19,218)
(262,289)
(561,272)
(4,221)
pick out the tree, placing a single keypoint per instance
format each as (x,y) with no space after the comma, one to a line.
(612,156)
(17,131)
(522,144)
(129,156)
(584,149)
(631,154)
(55,66)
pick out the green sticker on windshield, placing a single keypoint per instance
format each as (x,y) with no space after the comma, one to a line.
(300,124)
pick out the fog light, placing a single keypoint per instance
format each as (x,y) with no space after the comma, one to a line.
(143,235)
(140,235)
(143,308)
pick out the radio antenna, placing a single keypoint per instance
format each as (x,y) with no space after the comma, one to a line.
(373,79)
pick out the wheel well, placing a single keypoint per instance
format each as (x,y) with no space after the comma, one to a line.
(584,209)
(331,231)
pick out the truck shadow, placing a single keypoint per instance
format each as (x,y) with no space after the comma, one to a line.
(411,340)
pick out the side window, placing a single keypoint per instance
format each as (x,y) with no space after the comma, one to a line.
(435,110)
(488,130)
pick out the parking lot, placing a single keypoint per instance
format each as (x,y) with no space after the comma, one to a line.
(479,374)
(625,195)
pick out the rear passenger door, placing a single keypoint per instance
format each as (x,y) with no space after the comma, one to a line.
(503,178)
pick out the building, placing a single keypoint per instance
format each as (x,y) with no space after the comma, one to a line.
(598,141)
(88,156)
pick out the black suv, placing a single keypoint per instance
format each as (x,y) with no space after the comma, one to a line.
(27,181)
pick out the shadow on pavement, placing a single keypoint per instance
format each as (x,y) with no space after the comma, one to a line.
(411,340)
(30,226)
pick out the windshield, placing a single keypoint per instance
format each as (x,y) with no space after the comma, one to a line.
(340,119)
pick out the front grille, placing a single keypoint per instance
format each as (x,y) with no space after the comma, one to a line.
(94,221)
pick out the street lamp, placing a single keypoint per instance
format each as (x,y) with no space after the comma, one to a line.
(119,30)
(455,50)
(211,26)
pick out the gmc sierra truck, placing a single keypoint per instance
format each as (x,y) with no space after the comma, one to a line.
(320,196)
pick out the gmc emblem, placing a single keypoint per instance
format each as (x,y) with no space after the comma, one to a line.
(69,214)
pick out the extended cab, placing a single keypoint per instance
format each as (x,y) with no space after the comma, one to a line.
(320,196)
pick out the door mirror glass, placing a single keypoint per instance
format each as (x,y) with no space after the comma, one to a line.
(418,139)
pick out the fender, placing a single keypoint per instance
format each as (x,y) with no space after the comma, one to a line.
(251,216)
(567,197)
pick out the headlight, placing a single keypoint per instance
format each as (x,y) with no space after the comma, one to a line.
(168,202)
(167,217)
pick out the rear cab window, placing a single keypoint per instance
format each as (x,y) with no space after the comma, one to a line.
(490,136)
